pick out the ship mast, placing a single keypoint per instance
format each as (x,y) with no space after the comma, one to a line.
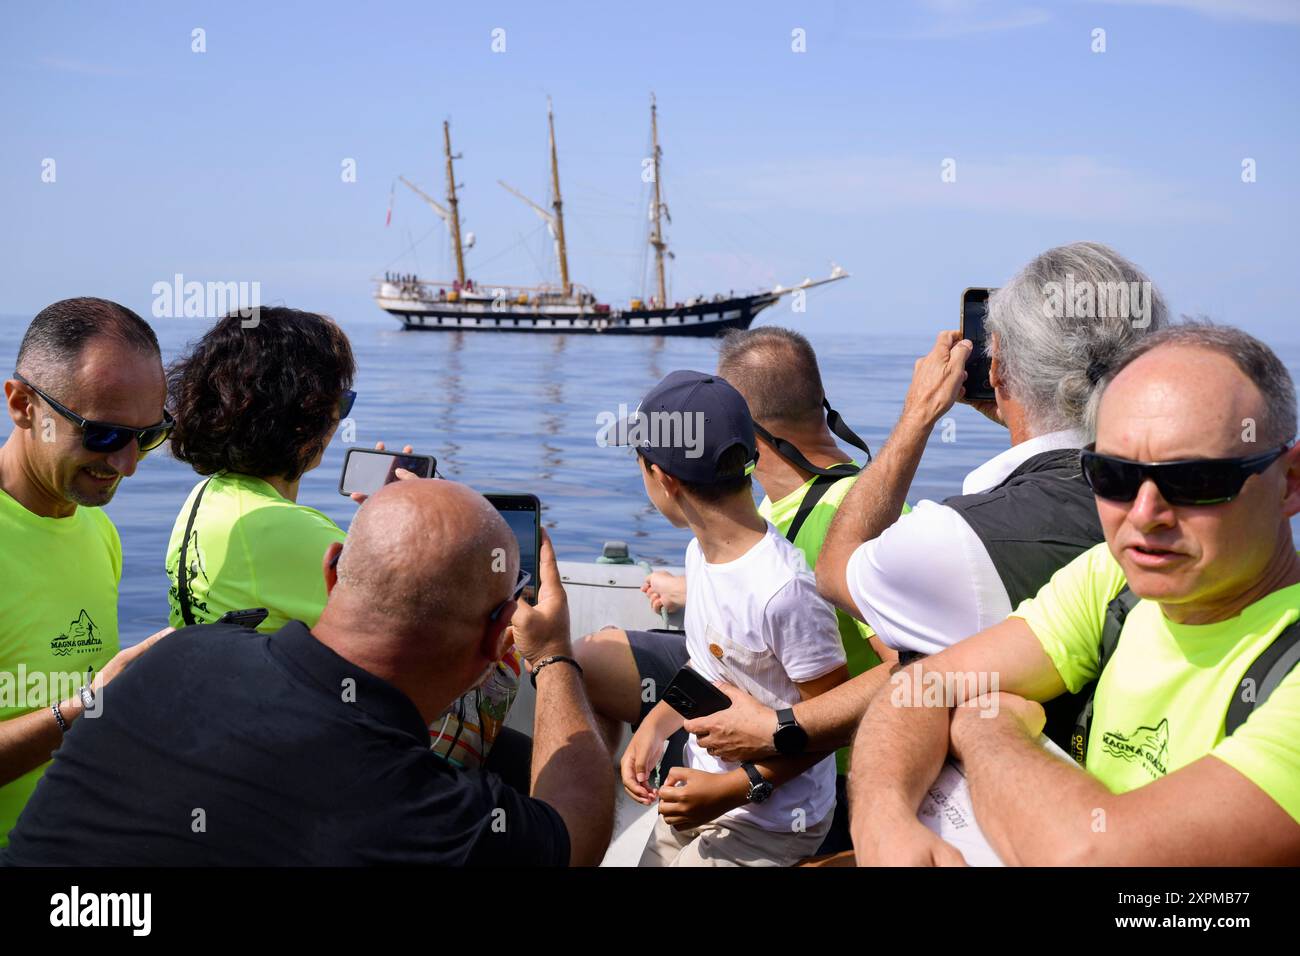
(559,216)
(656,234)
(451,202)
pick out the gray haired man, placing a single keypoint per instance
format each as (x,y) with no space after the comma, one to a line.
(944,571)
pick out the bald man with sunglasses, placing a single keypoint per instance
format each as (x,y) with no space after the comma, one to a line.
(1186,618)
(86,401)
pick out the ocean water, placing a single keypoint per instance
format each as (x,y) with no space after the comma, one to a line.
(519,413)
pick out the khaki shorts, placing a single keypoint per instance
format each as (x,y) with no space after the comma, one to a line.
(731,842)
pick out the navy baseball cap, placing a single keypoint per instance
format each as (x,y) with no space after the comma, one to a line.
(685,424)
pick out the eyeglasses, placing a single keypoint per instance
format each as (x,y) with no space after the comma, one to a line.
(1192,481)
(105,437)
(346,402)
(524,578)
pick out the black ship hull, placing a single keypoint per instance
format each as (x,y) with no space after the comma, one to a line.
(700,320)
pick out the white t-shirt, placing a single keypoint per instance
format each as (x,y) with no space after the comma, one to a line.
(927,581)
(763,612)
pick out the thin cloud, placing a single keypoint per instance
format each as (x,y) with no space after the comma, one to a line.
(1073,188)
(1265,11)
(947,19)
(67,65)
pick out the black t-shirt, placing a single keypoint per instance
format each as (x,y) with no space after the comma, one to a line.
(221,746)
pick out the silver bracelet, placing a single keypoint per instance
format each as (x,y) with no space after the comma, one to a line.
(58,715)
(87,698)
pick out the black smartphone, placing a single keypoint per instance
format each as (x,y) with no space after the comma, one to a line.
(367,470)
(974,313)
(524,515)
(249,617)
(692,696)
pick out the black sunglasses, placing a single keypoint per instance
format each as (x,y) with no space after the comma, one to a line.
(524,578)
(346,402)
(105,437)
(1191,481)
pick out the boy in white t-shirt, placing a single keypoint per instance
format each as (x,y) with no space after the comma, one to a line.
(754,620)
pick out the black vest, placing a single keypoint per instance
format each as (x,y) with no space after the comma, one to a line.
(1038,520)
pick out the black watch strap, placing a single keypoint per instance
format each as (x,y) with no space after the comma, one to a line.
(790,739)
(755,778)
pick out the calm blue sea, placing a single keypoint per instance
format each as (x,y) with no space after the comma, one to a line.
(518,413)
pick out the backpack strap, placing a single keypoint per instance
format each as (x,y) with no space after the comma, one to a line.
(837,425)
(1117,612)
(1277,660)
(820,485)
(182,567)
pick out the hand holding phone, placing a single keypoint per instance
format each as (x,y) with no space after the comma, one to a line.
(366,470)
(692,696)
(543,630)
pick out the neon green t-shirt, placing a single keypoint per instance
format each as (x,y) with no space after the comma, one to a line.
(250,547)
(1161,701)
(58,617)
(854,634)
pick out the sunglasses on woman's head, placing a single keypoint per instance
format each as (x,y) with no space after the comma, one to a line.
(1191,481)
(105,437)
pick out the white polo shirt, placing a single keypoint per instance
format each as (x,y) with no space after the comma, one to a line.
(927,581)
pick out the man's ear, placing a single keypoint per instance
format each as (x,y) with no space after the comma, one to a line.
(995,365)
(497,638)
(330,565)
(19,404)
(1291,499)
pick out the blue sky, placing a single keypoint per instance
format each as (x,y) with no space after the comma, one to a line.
(225,165)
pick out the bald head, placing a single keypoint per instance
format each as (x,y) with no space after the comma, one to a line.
(1202,392)
(1213,387)
(775,369)
(425,554)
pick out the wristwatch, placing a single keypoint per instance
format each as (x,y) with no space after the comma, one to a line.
(759,789)
(790,739)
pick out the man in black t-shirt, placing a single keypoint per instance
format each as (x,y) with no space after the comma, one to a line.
(222,746)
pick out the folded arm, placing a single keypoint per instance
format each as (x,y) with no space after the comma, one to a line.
(903,740)
(1038,810)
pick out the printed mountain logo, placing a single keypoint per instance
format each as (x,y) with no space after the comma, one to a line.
(1150,745)
(81,636)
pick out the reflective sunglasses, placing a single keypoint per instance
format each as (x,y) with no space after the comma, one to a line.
(346,402)
(105,437)
(524,578)
(1191,481)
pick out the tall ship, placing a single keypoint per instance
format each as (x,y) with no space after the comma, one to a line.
(466,304)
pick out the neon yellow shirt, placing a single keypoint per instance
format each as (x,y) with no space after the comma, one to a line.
(854,634)
(250,547)
(1161,701)
(58,617)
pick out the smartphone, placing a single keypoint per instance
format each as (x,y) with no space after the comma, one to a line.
(524,515)
(692,696)
(249,617)
(974,313)
(366,470)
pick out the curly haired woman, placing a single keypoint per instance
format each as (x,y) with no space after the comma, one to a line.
(255,407)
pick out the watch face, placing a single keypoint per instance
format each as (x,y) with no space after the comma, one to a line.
(760,792)
(791,739)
